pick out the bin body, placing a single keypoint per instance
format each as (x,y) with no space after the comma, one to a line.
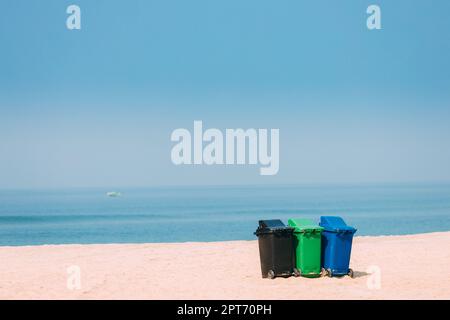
(276,253)
(337,240)
(307,245)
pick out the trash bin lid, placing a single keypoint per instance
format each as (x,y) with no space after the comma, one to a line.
(303,225)
(270,226)
(335,224)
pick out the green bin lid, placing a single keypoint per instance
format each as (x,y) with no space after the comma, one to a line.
(304,225)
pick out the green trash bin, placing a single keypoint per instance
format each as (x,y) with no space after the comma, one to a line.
(307,238)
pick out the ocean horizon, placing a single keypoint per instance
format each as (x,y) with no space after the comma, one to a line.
(212,213)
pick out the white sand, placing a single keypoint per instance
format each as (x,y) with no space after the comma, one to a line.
(412,267)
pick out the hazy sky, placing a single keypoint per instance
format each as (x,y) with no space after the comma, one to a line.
(96,106)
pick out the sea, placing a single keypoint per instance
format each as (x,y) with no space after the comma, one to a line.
(212,213)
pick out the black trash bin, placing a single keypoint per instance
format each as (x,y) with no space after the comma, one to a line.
(276,249)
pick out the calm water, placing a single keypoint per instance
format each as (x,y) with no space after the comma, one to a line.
(212,213)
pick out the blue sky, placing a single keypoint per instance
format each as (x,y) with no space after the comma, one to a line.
(96,107)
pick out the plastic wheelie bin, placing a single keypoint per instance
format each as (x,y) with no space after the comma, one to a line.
(276,250)
(307,246)
(337,239)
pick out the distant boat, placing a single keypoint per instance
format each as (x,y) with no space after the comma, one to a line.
(113,194)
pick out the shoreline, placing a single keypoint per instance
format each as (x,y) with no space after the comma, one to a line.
(386,267)
(194,242)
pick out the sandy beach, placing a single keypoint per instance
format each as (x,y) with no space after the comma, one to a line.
(386,267)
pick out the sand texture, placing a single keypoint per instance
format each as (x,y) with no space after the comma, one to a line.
(387,267)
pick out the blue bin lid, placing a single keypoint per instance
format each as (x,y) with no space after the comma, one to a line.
(335,224)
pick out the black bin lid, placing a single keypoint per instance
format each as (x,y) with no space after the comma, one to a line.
(270,226)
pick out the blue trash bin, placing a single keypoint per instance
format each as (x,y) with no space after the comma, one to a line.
(337,239)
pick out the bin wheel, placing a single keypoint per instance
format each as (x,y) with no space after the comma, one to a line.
(297,272)
(271,274)
(323,272)
(329,273)
(350,273)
